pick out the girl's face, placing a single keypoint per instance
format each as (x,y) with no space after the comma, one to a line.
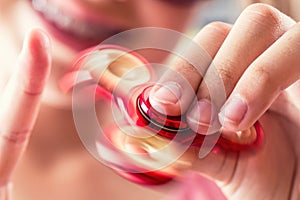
(74,25)
(78,24)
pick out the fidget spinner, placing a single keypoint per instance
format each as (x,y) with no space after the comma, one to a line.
(134,139)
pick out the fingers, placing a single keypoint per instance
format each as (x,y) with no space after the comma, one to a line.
(20,102)
(258,27)
(271,73)
(177,87)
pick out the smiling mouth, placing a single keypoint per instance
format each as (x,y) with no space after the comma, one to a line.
(70,25)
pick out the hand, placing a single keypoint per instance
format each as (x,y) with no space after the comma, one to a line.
(19,104)
(258,60)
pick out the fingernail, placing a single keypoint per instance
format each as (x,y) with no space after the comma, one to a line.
(168,93)
(233,112)
(41,40)
(45,40)
(200,116)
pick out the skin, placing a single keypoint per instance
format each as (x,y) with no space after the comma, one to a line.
(252,77)
(45,172)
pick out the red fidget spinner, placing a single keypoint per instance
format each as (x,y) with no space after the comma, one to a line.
(136,138)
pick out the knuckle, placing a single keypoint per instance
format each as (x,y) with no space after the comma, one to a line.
(263,77)
(228,79)
(32,93)
(33,86)
(263,11)
(220,28)
(15,137)
(263,15)
(226,75)
(185,71)
(212,36)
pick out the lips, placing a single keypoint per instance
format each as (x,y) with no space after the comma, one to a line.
(71,28)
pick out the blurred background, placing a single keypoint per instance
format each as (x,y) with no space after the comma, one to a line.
(218,10)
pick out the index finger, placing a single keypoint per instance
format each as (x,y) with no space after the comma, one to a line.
(178,86)
(20,101)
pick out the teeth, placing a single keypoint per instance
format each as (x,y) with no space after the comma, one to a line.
(66,22)
(39,4)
